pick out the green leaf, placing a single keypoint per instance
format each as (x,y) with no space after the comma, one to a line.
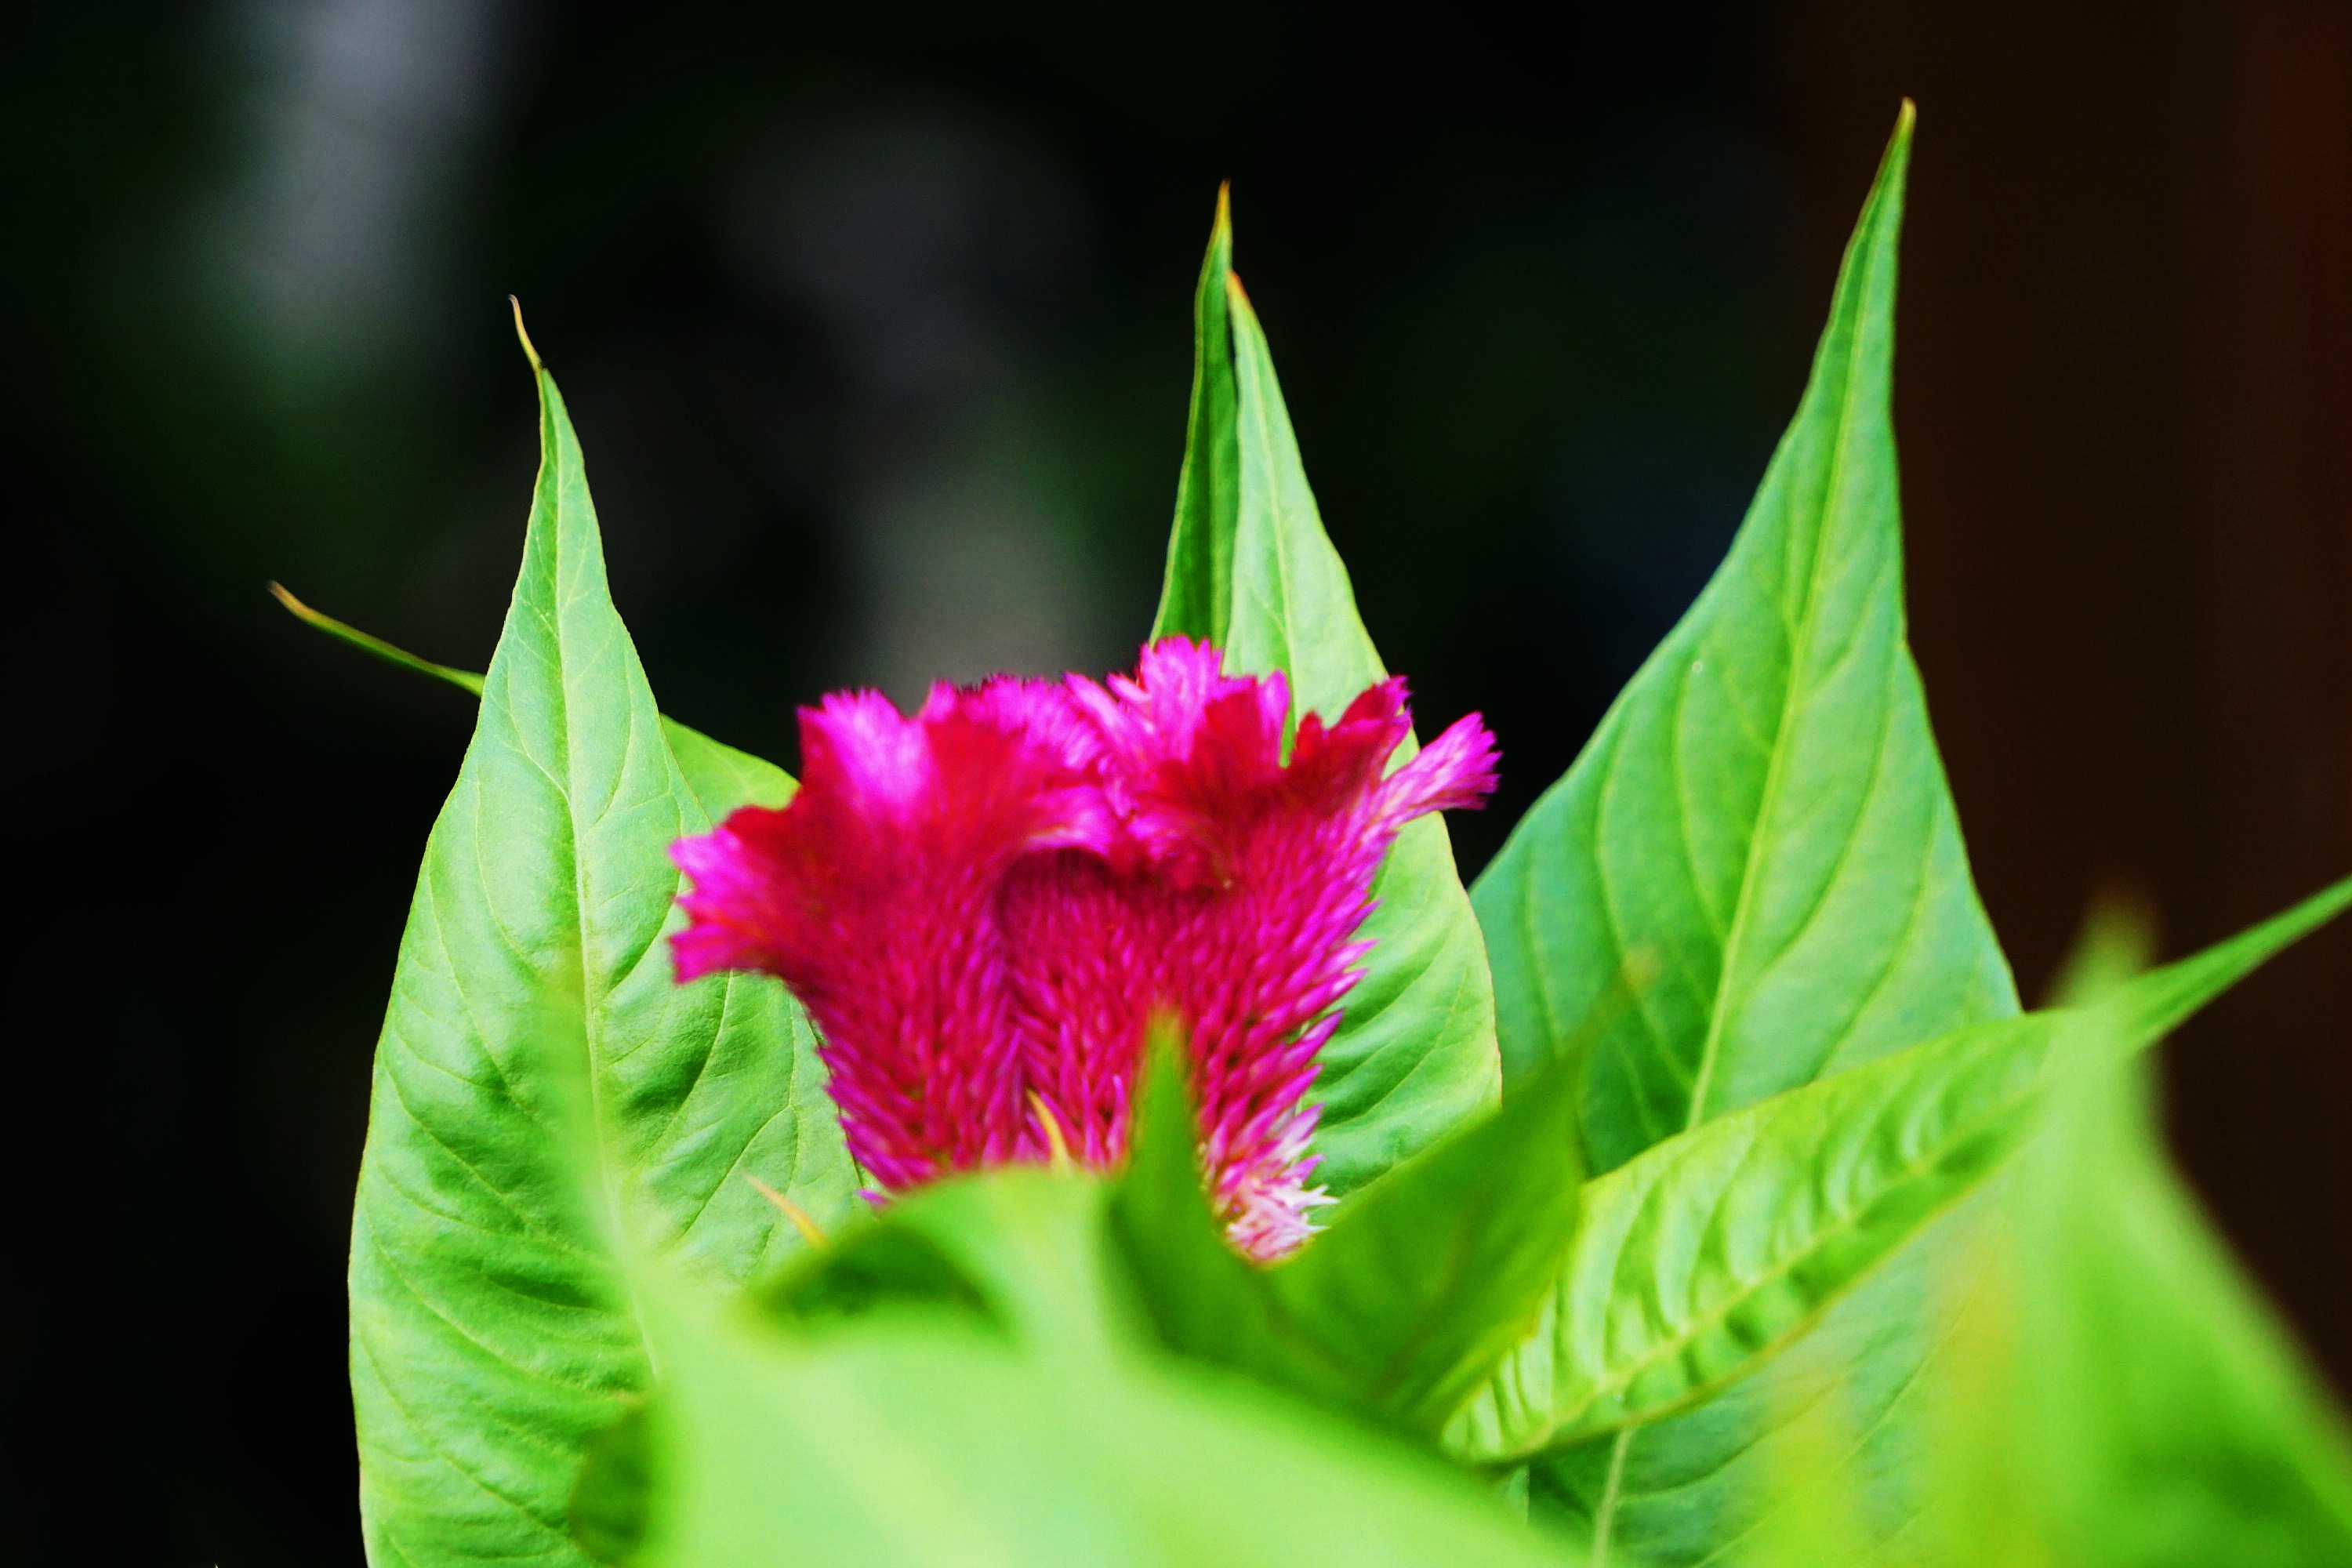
(1016,1253)
(1705,1254)
(1708,1485)
(1197,598)
(926,1443)
(1198,1294)
(1762,814)
(1019,1247)
(720,777)
(1762,819)
(1443,1266)
(1401,1309)
(2120,1394)
(1251,569)
(610,1500)
(1439,1269)
(491,1334)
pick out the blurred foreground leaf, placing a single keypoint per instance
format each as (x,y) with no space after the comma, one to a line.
(924,1442)
(1402,1308)
(1019,1248)
(2120,1396)
(1700,1258)
(1395,1315)
(1251,569)
(491,1334)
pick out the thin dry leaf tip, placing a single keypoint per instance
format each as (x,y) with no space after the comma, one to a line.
(1057,1145)
(523,337)
(810,1232)
(301,610)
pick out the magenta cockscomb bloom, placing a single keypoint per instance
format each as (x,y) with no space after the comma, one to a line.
(983,906)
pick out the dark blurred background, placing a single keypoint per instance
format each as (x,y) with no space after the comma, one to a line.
(875,323)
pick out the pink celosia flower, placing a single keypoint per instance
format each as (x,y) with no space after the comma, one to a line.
(983,906)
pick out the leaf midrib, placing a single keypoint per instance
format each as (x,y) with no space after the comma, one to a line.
(592,1008)
(2154,1005)
(1943,1151)
(1261,436)
(1711,1050)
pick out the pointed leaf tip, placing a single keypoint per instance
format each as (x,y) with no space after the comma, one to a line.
(1896,160)
(524,337)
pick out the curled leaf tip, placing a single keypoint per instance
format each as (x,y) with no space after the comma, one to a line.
(301,611)
(524,337)
(810,1232)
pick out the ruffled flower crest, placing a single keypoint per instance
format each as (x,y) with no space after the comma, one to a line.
(983,906)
